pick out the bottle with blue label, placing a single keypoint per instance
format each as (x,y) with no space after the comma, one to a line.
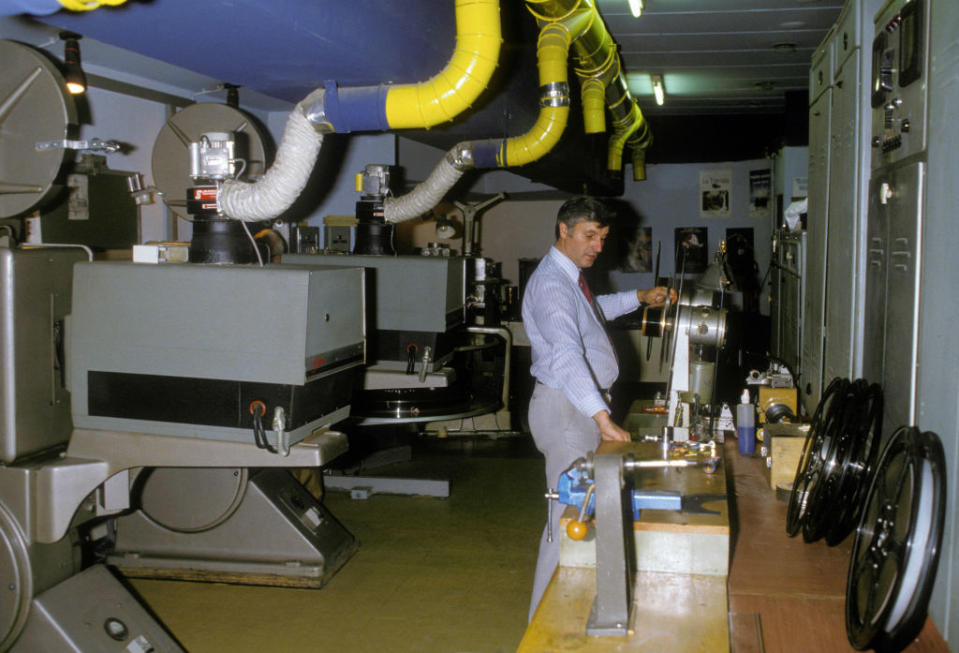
(746,425)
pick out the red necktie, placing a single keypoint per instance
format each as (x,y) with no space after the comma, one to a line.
(585,289)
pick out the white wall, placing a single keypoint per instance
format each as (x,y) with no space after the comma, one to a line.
(669,198)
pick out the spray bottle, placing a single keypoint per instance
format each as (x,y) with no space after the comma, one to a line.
(746,424)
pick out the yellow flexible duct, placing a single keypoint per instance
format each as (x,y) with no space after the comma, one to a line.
(594,82)
(639,164)
(593,94)
(88,5)
(600,67)
(638,143)
(445,95)
(552,52)
(621,132)
(539,140)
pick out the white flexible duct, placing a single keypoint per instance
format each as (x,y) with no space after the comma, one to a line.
(275,191)
(427,194)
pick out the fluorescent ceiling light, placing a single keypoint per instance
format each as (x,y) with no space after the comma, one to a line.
(636,6)
(658,89)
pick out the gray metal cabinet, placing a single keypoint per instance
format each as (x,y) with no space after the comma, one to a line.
(833,343)
(904,209)
(816,229)
(841,350)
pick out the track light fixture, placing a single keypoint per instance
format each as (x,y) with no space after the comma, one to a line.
(72,71)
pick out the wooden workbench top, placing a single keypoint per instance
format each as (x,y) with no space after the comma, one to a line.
(784,595)
(671,612)
(791,592)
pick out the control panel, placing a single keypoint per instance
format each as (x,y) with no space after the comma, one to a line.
(899,88)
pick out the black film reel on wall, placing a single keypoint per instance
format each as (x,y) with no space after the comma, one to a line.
(896,550)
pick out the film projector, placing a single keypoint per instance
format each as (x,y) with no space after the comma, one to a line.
(136,413)
(692,330)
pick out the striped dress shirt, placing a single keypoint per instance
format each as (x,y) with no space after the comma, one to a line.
(571,350)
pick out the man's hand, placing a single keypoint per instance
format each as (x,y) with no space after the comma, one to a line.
(656,296)
(608,429)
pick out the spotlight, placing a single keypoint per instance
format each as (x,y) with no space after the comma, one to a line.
(445,228)
(72,72)
(636,6)
(659,90)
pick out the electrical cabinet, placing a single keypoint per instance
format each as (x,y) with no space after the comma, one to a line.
(810,380)
(842,354)
(839,141)
(912,234)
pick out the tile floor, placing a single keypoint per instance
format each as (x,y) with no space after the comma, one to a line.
(431,575)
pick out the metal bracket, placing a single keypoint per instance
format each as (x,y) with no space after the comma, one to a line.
(615,560)
(92,145)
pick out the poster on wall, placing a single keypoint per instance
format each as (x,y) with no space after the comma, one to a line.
(760,185)
(690,248)
(715,188)
(639,253)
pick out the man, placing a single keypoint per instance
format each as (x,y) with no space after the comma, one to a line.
(573,359)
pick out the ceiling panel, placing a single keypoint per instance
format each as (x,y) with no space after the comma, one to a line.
(712,54)
(711,20)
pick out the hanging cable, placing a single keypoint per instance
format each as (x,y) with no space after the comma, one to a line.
(258,410)
(259,257)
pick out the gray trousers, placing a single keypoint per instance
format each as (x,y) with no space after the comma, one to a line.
(563,434)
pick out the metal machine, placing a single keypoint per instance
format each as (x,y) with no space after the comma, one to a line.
(431,316)
(606,486)
(788,297)
(138,398)
(694,330)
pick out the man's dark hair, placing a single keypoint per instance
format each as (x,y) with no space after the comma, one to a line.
(581,209)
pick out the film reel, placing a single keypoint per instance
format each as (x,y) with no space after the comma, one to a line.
(832,508)
(810,467)
(836,435)
(856,465)
(896,550)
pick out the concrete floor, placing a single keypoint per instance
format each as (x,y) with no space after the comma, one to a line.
(431,575)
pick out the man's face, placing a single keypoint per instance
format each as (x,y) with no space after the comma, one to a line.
(583,243)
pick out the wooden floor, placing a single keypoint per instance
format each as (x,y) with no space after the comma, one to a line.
(786,595)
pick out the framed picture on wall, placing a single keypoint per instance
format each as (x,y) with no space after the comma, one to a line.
(760,187)
(639,251)
(715,188)
(690,248)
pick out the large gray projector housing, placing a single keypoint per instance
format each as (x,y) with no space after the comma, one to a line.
(183,350)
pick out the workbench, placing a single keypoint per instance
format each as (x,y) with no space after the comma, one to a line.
(679,594)
(781,595)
